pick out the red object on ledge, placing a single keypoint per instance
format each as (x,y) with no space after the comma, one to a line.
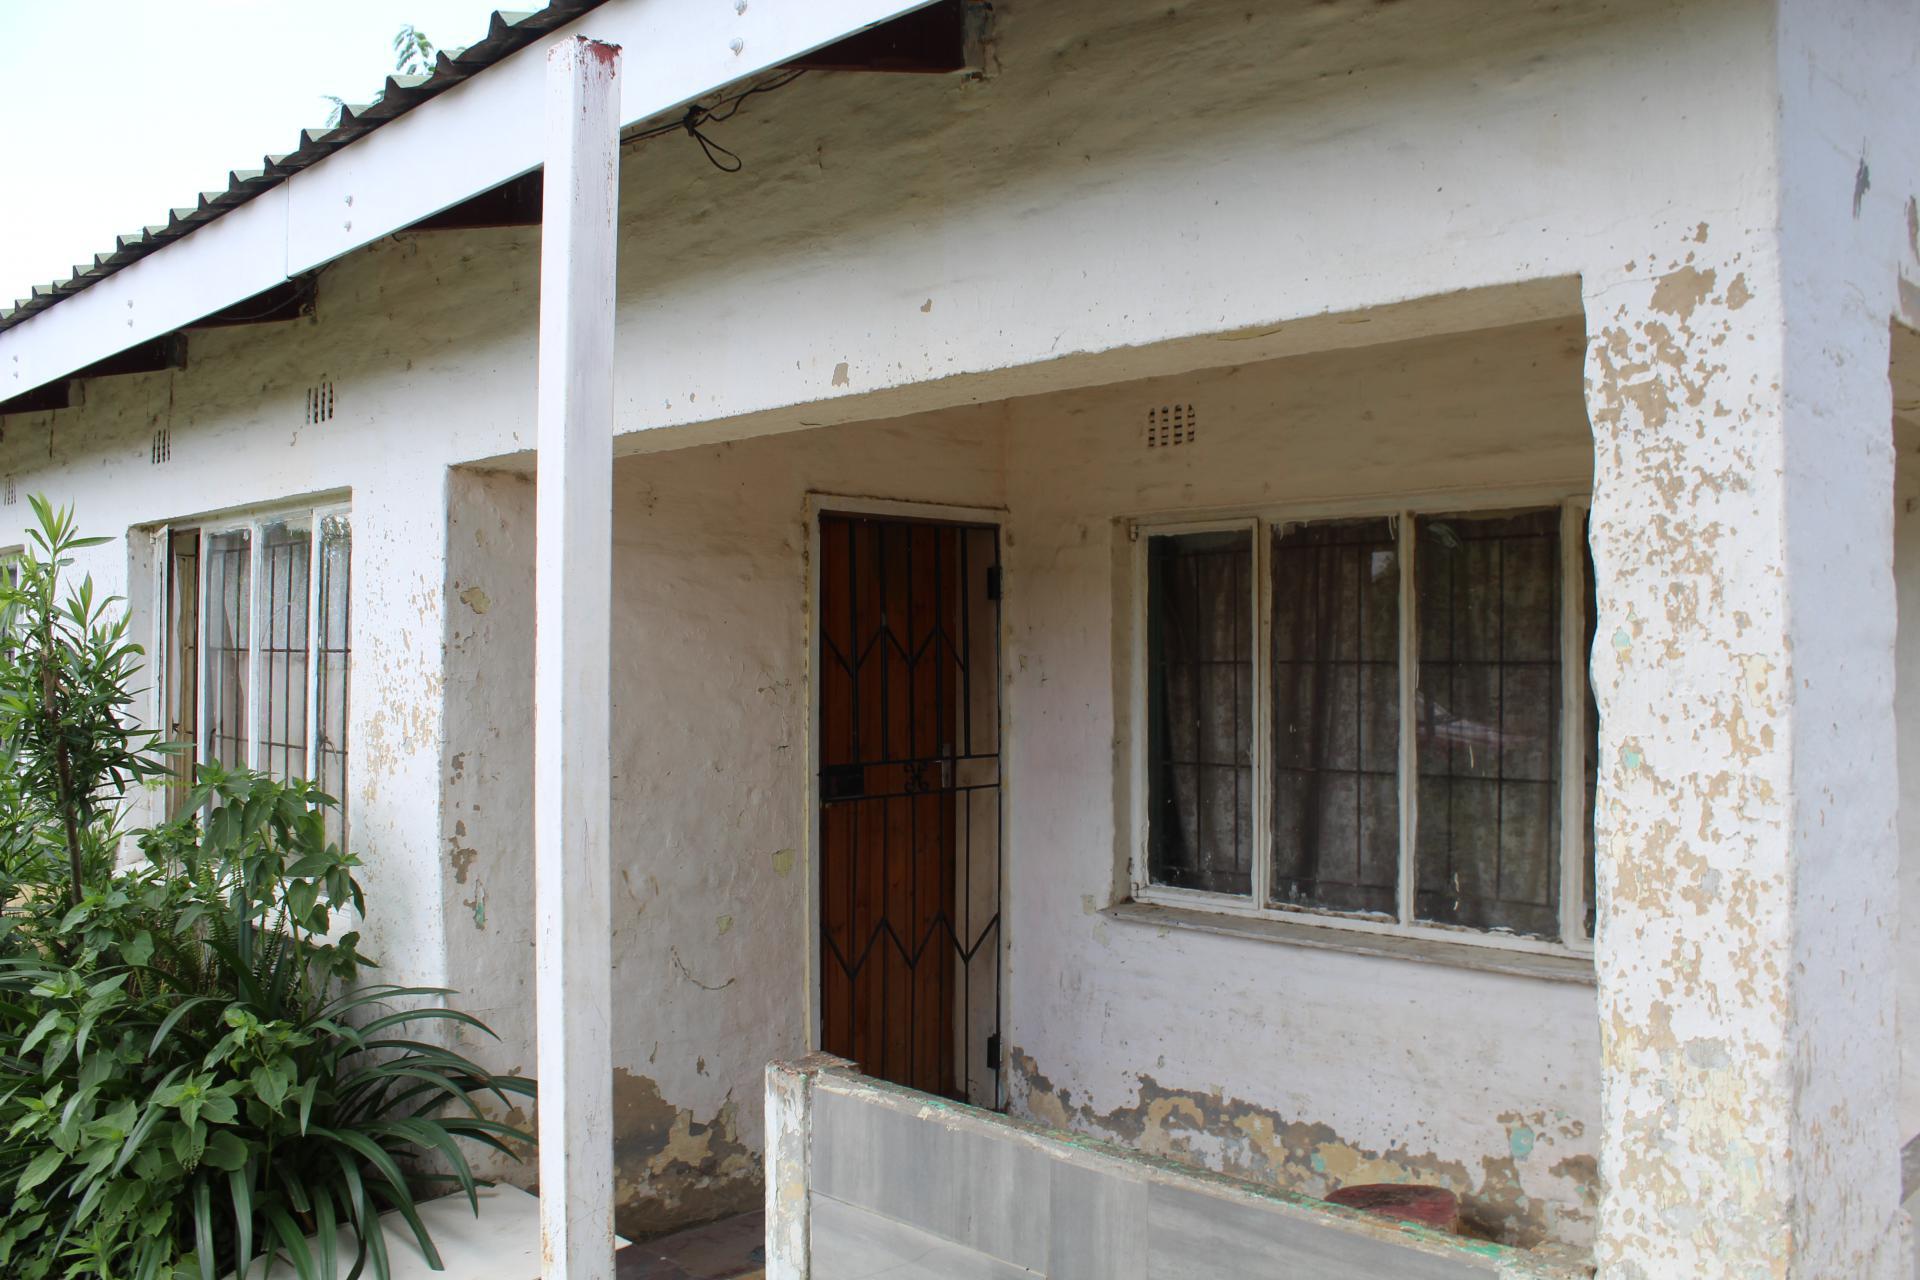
(1433,1207)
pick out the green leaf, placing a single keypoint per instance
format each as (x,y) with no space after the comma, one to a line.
(203,1226)
(306,1094)
(225,1151)
(172,1019)
(293,1242)
(189,1143)
(373,1235)
(38,1170)
(137,1136)
(241,1189)
(326,1230)
(218,1108)
(138,951)
(269,1082)
(48,1021)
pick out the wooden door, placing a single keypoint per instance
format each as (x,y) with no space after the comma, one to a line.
(909,801)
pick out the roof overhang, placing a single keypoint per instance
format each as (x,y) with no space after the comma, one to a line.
(483,131)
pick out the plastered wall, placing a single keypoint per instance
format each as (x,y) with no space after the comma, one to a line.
(710,781)
(1302,1069)
(1306,1068)
(421,340)
(1133,188)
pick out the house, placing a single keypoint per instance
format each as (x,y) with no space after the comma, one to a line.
(1273,595)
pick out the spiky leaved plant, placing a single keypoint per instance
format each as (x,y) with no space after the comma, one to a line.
(190,1066)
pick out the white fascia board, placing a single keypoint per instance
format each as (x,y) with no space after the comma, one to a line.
(233,257)
(476,135)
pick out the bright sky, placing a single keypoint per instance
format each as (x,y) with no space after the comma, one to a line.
(117,110)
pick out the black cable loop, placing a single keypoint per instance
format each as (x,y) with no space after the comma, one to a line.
(696,115)
(720,157)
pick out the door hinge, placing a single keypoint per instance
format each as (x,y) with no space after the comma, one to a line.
(993,1052)
(993,582)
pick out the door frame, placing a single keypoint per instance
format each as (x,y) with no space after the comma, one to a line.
(819,504)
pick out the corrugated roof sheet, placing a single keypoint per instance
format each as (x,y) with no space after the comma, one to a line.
(507,33)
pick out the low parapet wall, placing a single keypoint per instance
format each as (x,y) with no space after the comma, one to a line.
(866,1178)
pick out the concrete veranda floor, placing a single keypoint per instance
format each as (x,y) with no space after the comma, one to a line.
(731,1249)
(503,1243)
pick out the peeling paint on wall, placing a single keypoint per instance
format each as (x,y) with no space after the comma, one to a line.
(670,1168)
(1524,1197)
(1398,1070)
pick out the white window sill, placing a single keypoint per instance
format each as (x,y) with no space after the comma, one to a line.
(1458,955)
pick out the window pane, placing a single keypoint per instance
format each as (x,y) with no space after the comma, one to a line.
(1487,594)
(1336,716)
(183,661)
(228,610)
(1200,711)
(9,622)
(334,658)
(285,552)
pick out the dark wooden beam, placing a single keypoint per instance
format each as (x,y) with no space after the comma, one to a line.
(511,204)
(929,41)
(55,395)
(169,351)
(287,301)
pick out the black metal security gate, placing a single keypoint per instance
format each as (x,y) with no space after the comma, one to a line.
(909,750)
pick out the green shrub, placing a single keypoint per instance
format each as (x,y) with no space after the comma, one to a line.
(191,1070)
(65,701)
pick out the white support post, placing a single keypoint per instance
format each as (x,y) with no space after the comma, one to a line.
(573,598)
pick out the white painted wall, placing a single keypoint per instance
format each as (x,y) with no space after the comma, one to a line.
(239,438)
(710,779)
(1137,189)
(898,243)
(1388,1068)
(1397,1062)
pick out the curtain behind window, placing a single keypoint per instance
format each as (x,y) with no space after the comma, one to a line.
(1200,711)
(1336,716)
(1488,597)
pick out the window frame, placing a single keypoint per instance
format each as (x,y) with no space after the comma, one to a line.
(253,521)
(1250,524)
(10,558)
(1575,732)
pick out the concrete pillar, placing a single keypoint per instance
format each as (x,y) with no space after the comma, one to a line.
(790,1131)
(399,668)
(788,1171)
(1737,380)
(573,593)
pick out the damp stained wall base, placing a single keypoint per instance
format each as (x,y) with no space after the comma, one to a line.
(1525,1196)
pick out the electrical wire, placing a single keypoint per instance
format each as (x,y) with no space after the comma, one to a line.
(697,116)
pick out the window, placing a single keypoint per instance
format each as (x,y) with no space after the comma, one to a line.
(10,578)
(1369,721)
(257,650)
